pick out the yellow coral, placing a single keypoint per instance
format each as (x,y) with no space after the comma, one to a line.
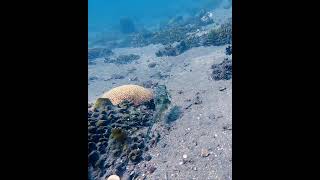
(133,93)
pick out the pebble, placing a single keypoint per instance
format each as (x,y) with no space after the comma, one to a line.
(195,169)
(204,152)
(181,163)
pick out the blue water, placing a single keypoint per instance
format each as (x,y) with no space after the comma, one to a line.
(105,14)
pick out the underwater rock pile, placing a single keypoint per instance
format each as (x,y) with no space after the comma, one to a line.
(122,59)
(97,53)
(119,133)
(215,37)
(116,138)
(222,71)
(229,50)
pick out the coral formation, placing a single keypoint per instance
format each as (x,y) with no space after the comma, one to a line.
(98,53)
(113,177)
(134,93)
(222,71)
(122,59)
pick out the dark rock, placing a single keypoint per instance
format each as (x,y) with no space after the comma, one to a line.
(131,70)
(93,78)
(92,129)
(117,76)
(91,146)
(229,50)
(152,65)
(135,155)
(93,157)
(147,157)
(197,100)
(151,169)
(174,114)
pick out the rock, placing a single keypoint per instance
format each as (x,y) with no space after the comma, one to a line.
(229,50)
(159,75)
(92,146)
(180,92)
(92,129)
(152,65)
(93,157)
(113,177)
(222,88)
(117,76)
(204,152)
(174,113)
(151,169)
(131,70)
(102,123)
(149,84)
(147,157)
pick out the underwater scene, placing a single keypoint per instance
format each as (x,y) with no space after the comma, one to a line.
(159,90)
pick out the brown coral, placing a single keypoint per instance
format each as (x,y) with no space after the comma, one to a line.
(133,93)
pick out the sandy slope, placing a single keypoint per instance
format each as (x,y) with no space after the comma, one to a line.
(201,125)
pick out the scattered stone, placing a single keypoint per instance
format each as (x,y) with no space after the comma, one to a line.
(204,152)
(227,127)
(152,65)
(197,100)
(151,169)
(149,84)
(93,78)
(180,92)
(147,157)
(159,75)
(117,76)
(131,70)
